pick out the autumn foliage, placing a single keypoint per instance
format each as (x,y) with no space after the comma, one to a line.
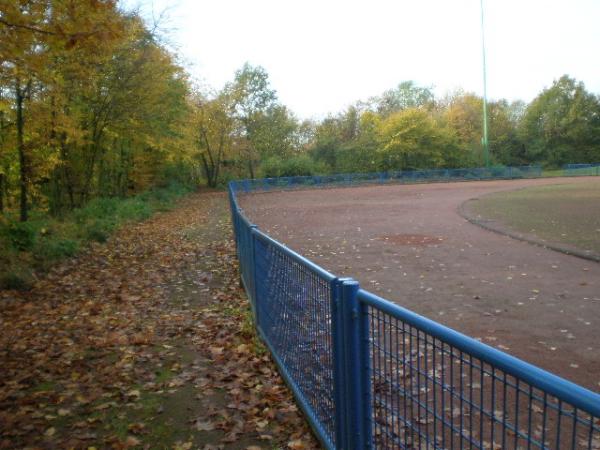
(90,104)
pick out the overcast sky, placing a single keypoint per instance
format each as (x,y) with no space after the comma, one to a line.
(323,55)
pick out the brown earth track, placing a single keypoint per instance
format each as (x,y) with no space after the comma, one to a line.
(408,244)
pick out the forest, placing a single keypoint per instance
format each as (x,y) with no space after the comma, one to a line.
(100,123)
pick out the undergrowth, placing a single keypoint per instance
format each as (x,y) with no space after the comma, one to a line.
(33,247)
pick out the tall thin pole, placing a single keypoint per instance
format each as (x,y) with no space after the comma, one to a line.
(484,140)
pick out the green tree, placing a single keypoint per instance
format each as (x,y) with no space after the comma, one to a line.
(562,124)
(250,98)
(406,95)
(412,139)
(505,146)
(359,154)
(327,143)
(213,129)
(273,132)
(463,114)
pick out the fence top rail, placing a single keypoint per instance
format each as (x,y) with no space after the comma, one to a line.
(580,165)
(232,187)
(562,389)
(319,271)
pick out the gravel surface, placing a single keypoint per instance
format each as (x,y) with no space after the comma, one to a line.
(409,244)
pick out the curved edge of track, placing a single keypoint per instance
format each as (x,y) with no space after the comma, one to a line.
(489,225)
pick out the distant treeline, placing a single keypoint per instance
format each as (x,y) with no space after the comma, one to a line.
(404,128)
(92,104)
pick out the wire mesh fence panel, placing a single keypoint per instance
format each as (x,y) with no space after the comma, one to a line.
(581,170)
(429,394)
(294,309)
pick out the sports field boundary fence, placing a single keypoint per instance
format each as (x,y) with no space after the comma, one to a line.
(581,170)
(394,176)
(370,374)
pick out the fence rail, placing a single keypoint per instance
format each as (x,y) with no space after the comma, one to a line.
(370,374)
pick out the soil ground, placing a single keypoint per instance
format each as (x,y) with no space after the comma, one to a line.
(409,244)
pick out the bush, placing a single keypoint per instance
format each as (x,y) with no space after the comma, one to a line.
(133,209)
(99,230)
(300,165)
(43,241)
(178,173)
(50,249)
(272,167)
(20,235)
(99,207)
(164,196)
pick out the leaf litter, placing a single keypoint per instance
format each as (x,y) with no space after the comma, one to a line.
(144,342)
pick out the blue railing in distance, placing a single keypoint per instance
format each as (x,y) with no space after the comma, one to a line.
(581,170)
(407,176)
(433,387)
(370,374)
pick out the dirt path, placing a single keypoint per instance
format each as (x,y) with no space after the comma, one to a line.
(409,244)
(145,342)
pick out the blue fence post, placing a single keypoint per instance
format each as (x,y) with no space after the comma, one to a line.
(356,389)
(339,382)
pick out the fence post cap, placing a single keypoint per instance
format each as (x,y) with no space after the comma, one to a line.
(347,281)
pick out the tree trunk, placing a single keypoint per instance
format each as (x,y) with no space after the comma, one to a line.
(95,149)
(251,169)
(19,98)
(2,176)
(209,171)
(67,174)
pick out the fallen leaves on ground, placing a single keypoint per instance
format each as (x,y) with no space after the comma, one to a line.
(143,342)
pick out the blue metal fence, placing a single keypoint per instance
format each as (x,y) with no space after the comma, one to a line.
(579,170)
(406,176)
(370,374)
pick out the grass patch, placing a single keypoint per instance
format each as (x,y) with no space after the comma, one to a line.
(44,386)
(41,242)
(562,213)
(137,419)
(245,318)
(163,375)
(546,173)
